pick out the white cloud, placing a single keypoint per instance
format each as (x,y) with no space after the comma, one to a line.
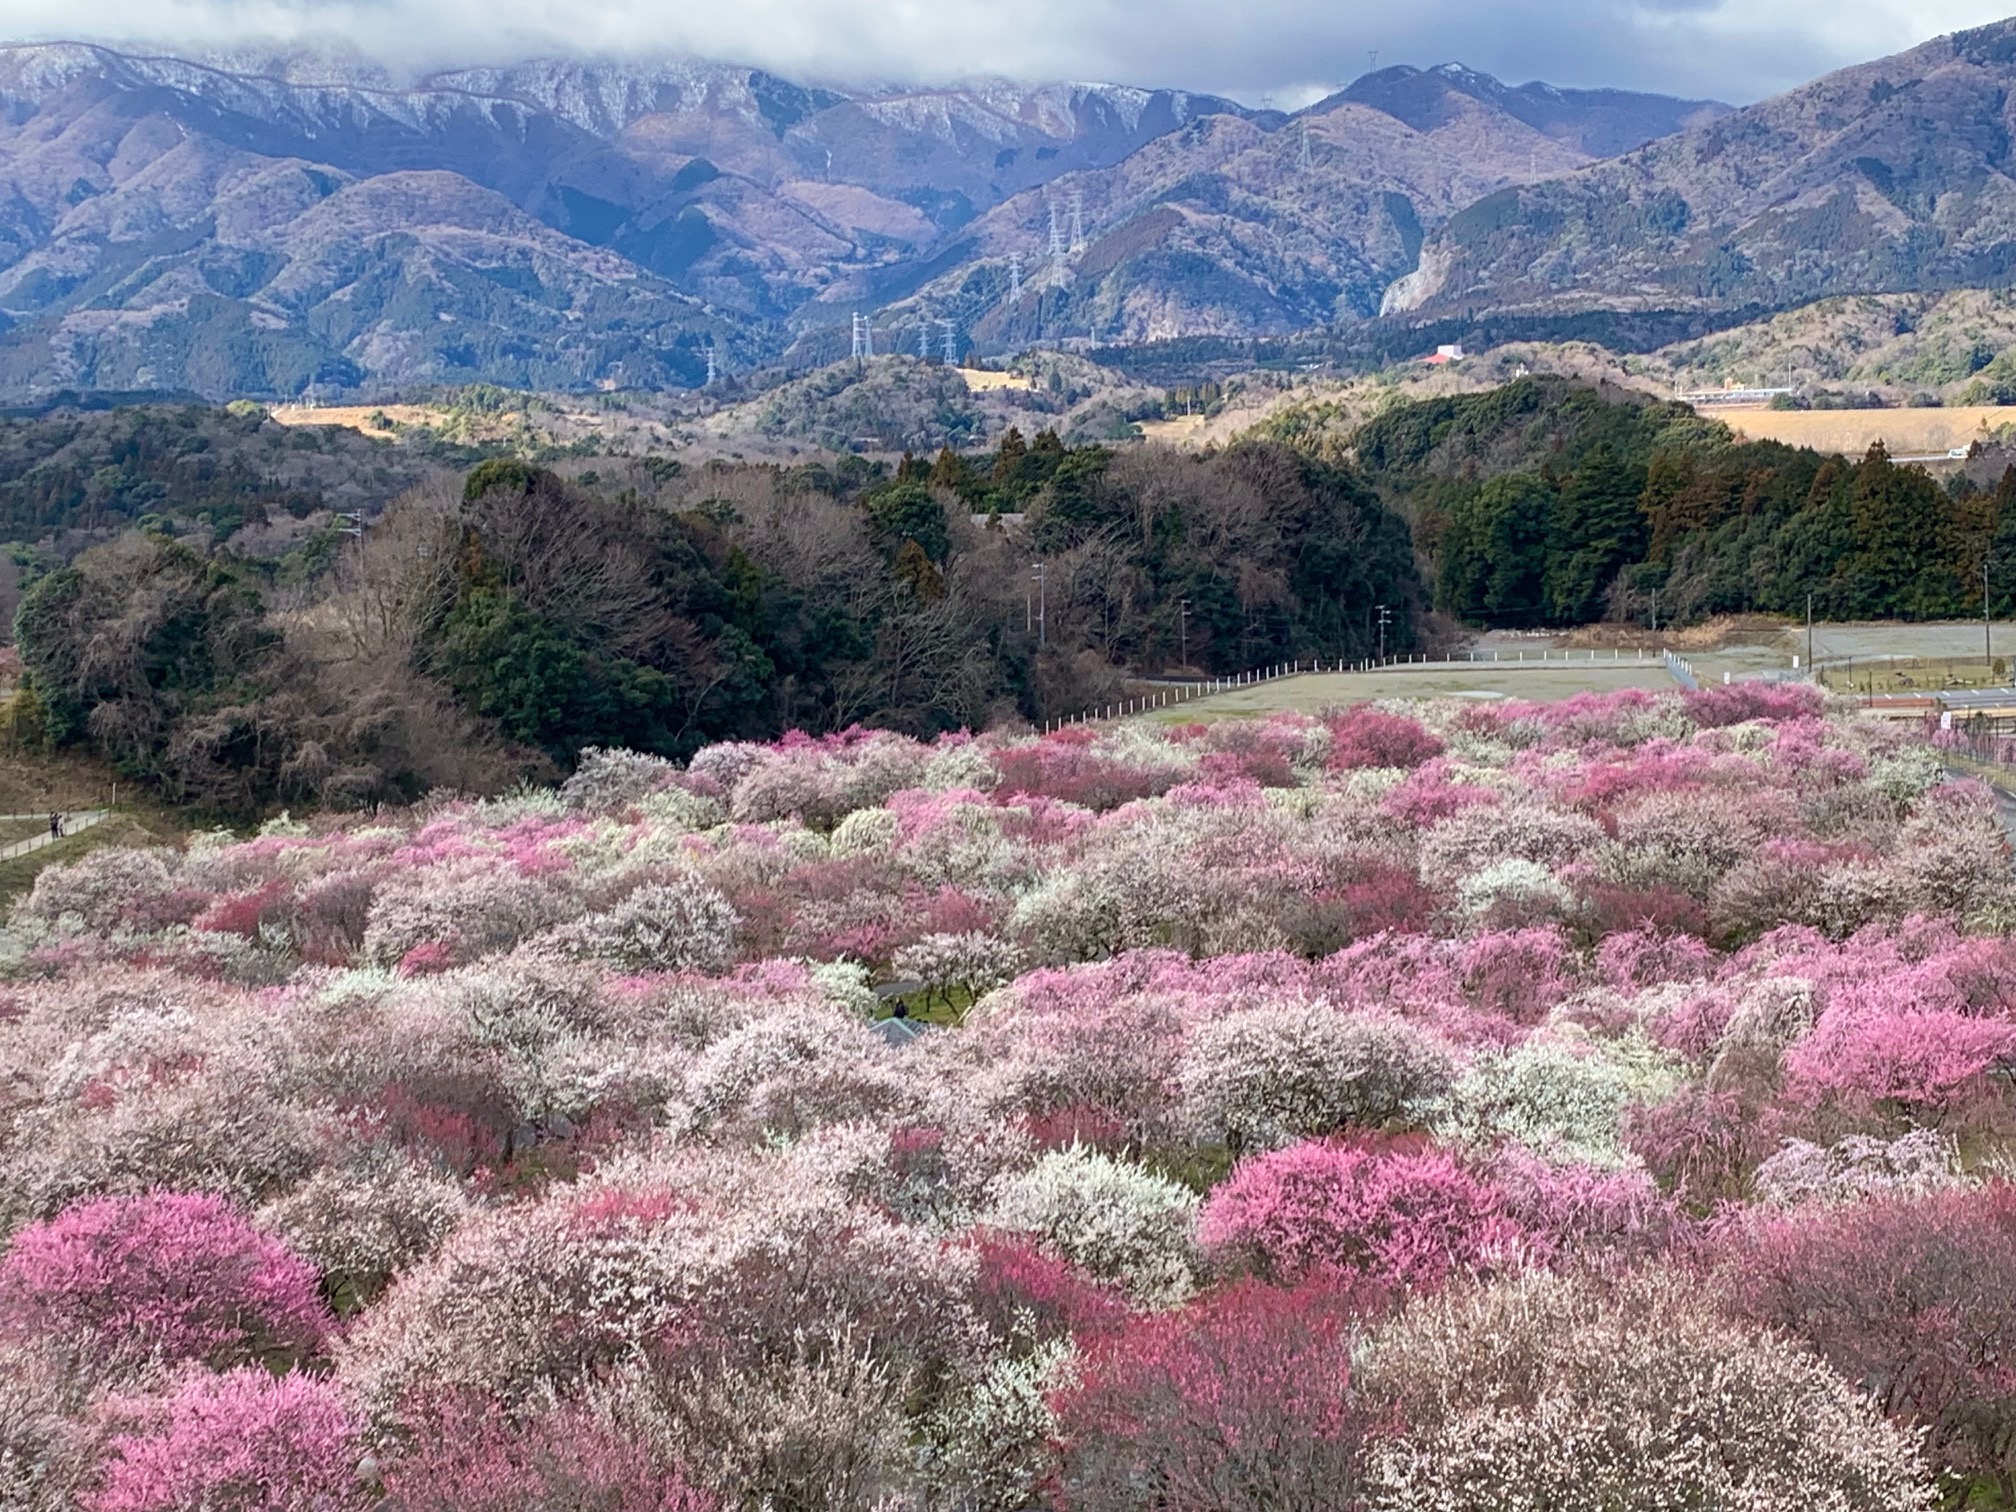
(1293,49)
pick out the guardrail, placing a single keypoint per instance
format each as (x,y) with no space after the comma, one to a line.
(1189,691)
(1176,694)
(75,824)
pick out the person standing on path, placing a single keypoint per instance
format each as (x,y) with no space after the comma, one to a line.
(55,826)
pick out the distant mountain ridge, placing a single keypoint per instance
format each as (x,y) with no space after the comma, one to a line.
(1598,123)
(1226,227)
(1892,176)
(239,223)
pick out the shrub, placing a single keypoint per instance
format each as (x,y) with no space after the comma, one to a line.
(243,1441)
(681,925)
(1241,1402)
(1856,1167)
(1366,737)
(1912,1298)
(1543,1391)
(1116,1220)
(471,1458)
(1396,1216)
(1265,1077)
(123,1281)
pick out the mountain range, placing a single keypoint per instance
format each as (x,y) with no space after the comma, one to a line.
(1892,176)
(284,223)
(275,224)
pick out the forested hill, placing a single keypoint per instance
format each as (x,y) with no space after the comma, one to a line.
(476,635)
(1547,502)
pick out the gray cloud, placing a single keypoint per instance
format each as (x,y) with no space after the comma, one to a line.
(1293,50)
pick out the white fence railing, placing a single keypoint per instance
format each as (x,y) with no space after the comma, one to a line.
(73,824)
(1172,695)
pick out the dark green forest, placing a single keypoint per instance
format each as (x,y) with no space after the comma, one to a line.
(1547,502)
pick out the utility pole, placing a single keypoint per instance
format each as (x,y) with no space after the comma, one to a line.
(1655,608)
(1385,619)
(1183,632)
(1810,668)
(1987,623)
(1042,575)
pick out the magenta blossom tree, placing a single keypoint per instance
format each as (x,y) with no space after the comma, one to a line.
(244,1441)
(1239,1403)
(1400,1215)
(168,1277)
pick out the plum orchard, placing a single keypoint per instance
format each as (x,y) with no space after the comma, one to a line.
(1601,1105)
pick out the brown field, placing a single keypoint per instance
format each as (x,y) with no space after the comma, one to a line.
(1174,432)
(358,417)
(980,381)
(1906,432)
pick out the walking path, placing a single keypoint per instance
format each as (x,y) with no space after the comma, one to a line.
(73,824)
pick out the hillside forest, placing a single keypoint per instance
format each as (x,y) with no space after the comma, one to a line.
(1551,503)
(228,611)
(491,626)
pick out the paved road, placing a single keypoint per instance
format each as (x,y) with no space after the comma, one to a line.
(73,824)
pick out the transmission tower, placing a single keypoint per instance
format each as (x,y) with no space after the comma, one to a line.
(1077,221)
(951,343)
(1056,233)
(924,337)
(864,338)
(1308,159)
(1014,278)
(713,365)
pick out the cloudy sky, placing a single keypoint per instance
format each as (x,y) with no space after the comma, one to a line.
(1291,50)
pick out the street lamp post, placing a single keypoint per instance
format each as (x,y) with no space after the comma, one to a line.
(1385,618)
(1183,633)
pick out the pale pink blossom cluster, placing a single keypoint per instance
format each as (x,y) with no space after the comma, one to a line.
(1602,1104)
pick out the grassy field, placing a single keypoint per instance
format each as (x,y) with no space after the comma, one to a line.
(1906,432)
(1313,693)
